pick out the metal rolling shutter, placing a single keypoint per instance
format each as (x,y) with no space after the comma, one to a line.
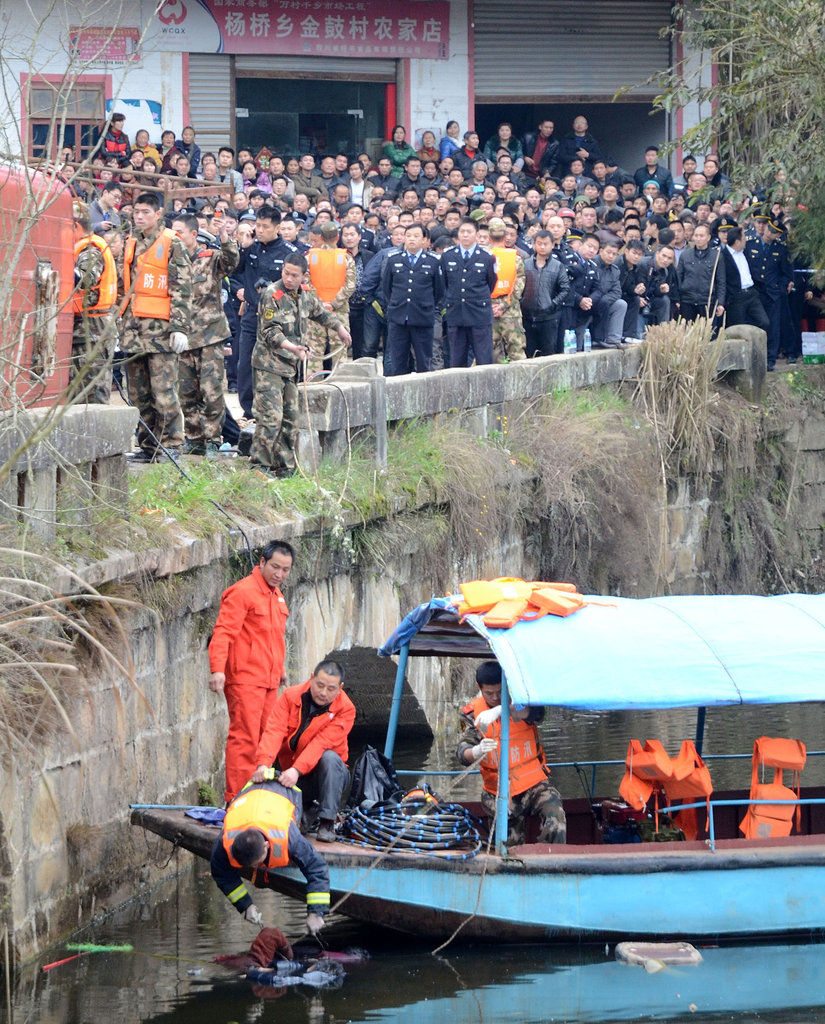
(210,98)
(348,68)
(536,50)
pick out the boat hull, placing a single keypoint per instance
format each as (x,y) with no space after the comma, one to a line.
(740,889)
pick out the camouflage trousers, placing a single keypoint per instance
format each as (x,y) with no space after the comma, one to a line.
(200,387)
(152,382)
(509,341)
(275,409)
(320,341)
(94,340)
(541,800)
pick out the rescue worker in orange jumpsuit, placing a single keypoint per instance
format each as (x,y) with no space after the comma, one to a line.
(307,733)
(530,789)
(246,658)
(260,833)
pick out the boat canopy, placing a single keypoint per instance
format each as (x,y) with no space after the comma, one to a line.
(659,652)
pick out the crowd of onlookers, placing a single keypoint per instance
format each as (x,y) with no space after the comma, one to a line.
(634,247)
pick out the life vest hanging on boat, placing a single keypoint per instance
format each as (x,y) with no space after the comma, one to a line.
(650,771)
(764,821)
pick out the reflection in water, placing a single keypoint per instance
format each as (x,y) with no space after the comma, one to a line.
(178,929)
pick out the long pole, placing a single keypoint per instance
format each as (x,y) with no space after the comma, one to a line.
(503,799)
(395,709)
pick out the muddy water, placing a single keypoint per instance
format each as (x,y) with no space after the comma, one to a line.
(178,929)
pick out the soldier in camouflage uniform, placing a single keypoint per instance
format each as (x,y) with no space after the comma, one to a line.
(201,369)
(284,313)
(152,344)
(479,723)
(94,337)
(509,341)
(320,341)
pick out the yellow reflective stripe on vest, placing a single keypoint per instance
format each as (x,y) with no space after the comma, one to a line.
(316,899)
(237,894)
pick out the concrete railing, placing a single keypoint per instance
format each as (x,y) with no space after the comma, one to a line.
(358,400)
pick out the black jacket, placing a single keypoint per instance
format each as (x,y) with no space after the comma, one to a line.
(468,287)
(550,157)
(608,287)
(414,294)
(362,260)
(701,277)
(570,144)
(545,288)
(654,277)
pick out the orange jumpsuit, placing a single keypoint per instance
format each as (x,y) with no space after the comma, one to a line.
(249,647)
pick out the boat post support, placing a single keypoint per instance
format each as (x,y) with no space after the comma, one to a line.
(395,708)
(503,799)
(700,730)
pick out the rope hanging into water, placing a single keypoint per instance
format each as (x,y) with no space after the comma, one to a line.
(414,826)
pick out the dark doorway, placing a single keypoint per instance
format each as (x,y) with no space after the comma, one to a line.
(291,116)
(622,129)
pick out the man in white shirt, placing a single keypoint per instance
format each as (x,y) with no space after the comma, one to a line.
(742,300)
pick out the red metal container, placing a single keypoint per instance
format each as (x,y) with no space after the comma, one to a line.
(36,284)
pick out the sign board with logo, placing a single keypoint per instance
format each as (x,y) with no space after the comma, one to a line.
(324,28)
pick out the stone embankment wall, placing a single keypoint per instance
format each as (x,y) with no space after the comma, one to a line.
(66,849)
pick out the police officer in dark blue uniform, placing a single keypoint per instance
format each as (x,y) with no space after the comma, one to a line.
(412,283)
(469,276)
(772,275)
(260,265)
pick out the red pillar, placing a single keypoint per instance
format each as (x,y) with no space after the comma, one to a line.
(390,100)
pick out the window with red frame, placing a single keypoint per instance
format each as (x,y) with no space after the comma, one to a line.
(63,116)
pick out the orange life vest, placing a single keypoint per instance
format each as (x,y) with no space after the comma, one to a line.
(526,755)
(270,813)
(649,771)
(505,271)
(150,297)
(764,821)
(106,286)
(327,272)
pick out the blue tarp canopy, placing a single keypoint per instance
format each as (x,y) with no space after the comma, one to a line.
(661,652)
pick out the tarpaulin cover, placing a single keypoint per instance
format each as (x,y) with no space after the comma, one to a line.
(664,652)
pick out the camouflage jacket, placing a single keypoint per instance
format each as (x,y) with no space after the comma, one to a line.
(88,269)
(209,267)
(148,335)
(284,316)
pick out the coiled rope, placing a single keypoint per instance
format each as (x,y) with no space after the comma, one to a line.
(414,826)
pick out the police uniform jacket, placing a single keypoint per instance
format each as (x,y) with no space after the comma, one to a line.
(575,266)
(259,266)
(468,285)
(414,293)
(771,269)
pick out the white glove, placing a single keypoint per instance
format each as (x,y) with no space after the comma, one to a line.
(254,916)
(482,749)
(314,923)
(486,718)
(179,342)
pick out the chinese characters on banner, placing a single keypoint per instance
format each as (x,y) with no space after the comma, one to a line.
(336,28)
(105,47)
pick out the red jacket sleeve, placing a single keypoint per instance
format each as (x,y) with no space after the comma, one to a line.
(234,607)
(275,731)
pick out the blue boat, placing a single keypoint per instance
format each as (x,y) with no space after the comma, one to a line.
(618,654)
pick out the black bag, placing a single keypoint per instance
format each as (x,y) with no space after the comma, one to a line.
(373,780)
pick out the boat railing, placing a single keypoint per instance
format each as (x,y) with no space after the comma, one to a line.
(592,766)
(741,802)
